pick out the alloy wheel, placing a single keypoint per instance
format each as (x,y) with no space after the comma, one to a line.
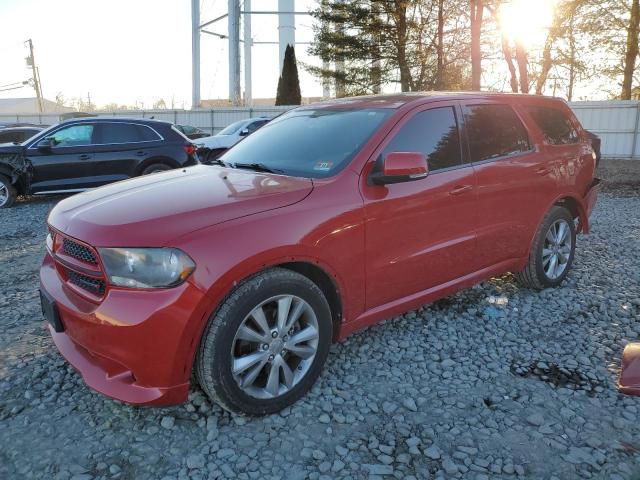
(556,250)
(274,346)
(4,194)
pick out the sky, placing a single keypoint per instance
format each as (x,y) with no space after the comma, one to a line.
(128,51)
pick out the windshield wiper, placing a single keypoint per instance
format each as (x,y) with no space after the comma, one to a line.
(258,167)
(217,161)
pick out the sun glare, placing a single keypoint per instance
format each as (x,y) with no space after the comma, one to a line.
(527,20)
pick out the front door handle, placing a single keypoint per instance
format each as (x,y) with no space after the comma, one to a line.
(542,171)
(460,189)
(141,153)
(85,156)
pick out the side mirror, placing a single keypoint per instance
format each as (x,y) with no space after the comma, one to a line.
(244,132)
(46,143)
(399,167)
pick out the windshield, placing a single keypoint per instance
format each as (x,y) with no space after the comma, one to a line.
(308,143)
(233,128)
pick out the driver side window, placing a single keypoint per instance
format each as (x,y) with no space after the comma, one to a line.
(433,132)
(74,136)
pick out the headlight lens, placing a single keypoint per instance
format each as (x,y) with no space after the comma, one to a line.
(146,267)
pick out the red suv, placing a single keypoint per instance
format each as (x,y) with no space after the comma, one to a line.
(328,219)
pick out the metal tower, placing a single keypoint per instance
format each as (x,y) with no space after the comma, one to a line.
(286,36)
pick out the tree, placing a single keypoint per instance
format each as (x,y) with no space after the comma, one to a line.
(417,44)
(477,12)
(631,53)
(289,83)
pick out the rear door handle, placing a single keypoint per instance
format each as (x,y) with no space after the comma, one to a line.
(460,189)
(85,156)
(542,171)
(141,153)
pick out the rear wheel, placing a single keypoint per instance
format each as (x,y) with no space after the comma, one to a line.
(8,192)
(155,168)
(552,252)
(265,346)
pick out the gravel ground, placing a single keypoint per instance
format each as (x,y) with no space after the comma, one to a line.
(495,382)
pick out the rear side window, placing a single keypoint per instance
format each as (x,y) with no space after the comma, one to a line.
(126,133)
(432,132)
(554,123)
(494,131)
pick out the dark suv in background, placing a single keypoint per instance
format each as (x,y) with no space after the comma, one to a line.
(18,134)
(84,153)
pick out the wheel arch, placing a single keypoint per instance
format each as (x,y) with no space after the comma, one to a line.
(155,160)
(324,282)
(575,206)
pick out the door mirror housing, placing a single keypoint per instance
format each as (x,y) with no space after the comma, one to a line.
(400,167)
(244,132)
(46,144)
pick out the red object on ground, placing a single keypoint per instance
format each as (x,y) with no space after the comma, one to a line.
(385,248)
(629,382)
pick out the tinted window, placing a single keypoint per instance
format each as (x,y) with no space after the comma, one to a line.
(252,127)
(233,128)
(74,136)
(8,137)
(555,125)
(433,132)
(309,143)
(126,133)
(494,131)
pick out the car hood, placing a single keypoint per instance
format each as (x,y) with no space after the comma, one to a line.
(155,209)
(221,141)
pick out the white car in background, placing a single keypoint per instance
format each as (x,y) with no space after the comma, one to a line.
(210,148)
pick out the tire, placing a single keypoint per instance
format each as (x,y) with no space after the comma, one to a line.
(538,273)
(214,154)
(220,348)
(8,192)
(155,168)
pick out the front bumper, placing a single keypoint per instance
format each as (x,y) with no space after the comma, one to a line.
(135,346)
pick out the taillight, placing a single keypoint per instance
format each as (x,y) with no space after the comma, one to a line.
(190,148)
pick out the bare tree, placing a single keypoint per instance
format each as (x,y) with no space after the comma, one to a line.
(477,11)
(631,53)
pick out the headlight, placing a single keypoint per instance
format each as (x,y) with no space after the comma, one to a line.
(146,267)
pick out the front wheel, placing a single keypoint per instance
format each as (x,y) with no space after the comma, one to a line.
(552,252)
(265,346)
(8,192)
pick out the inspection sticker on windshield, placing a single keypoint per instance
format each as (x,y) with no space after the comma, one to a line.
(323,166)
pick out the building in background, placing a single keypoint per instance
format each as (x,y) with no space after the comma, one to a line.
(29,105)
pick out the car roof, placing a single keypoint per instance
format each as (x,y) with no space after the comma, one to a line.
(398,100)
(144,121)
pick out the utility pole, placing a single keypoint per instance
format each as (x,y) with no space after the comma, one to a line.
(234,51)
(31,61)
(195,54)
(248,96)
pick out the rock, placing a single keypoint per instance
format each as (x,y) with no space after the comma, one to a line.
(535,419)
(167,422)
(195,461)
(432,452)
(410,404)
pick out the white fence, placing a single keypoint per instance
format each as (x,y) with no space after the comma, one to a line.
(211,120)
(616,122)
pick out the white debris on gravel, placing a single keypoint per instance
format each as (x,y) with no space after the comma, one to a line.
(494,382)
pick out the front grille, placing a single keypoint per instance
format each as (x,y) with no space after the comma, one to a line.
(90,284)
(78,251)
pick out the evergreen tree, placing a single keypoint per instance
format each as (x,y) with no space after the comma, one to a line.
(289,83)
(418,44)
